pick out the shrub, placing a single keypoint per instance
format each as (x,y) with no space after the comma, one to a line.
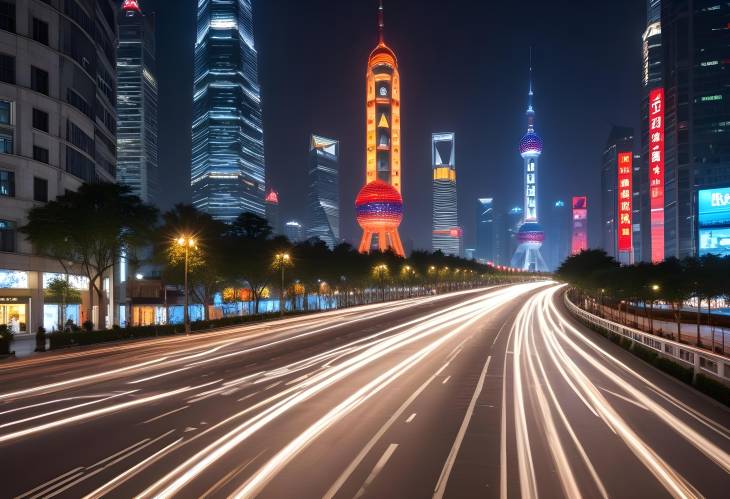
(6,338)
(713,388)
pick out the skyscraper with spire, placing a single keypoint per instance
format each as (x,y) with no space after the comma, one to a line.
(228,174)
(379,204)
(531,235)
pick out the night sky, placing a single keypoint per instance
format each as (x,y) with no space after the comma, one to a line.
(464,67)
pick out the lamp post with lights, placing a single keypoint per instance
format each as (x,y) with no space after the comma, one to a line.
(281,260)
(187,243)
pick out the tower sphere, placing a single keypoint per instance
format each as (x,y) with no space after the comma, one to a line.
(531,233)
(379,205)
(530,145)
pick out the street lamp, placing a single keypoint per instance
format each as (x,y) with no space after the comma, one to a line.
(281,260)
(186,242)
(380,272)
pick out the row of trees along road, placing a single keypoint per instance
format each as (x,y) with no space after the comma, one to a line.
(600,280)
(90,230)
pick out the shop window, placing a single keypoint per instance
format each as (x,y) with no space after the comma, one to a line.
(7,183)
(8,231)
(40,190)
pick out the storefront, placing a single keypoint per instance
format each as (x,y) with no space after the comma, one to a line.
(15,313)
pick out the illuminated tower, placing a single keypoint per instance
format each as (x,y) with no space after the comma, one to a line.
(447,235)
(530,236)
(383,169)
(227,174)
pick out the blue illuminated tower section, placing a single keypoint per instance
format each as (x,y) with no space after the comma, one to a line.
(531,235)
(228,172)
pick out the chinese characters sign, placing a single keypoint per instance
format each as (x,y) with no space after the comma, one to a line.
(625,162)
(580,225)
(656,172)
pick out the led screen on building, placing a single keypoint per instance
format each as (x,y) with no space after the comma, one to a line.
(580,225)
(656,172)
(625,171)
(713,221)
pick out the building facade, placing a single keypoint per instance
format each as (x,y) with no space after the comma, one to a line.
(273,211)
(507,226)
(696,112)
(57,130)
(531,235)
(559,226)
(617,194)
(446,234)
(579,238)
(379,204)
(324,190)
(485,231)
(137,153)
(228,173)
(294,231)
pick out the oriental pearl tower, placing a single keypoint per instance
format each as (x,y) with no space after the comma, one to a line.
(530,235)
(379,205)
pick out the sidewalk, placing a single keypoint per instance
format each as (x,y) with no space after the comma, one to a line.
(669,329)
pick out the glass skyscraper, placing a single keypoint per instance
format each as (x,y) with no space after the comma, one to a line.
(137,103)
(228,140)
(324,193)
(485,250)
(447,234)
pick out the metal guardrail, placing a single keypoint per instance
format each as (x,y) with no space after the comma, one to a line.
(701,361)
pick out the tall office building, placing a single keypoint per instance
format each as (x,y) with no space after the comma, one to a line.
(696,116)
(507,225)
(228,174)
(579,240)
(294,231)
(617,195)
(559,226)
(273,212)
(324,190)
(650,202)
(379,204)
(137,102)
(447,234)
(485,231)
(58,127)
(531,235)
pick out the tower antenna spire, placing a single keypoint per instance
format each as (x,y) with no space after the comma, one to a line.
(381,23)
(530,109)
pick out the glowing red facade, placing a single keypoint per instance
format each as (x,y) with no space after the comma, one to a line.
(379,208)
(656,173)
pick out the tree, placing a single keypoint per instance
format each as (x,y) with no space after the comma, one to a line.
(93,227)
(60,291)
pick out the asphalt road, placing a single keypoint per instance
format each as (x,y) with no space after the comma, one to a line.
(490,393)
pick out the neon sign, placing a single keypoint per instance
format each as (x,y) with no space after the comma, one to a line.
(625,164)
(130,5)
(656,173)
(580,224)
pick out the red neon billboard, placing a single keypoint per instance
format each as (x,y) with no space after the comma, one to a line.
(656,173)
(625,167)
(580,225)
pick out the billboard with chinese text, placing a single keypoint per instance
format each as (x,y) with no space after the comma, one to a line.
(656,172)
(625,172)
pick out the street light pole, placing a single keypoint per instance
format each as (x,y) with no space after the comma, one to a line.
(186,242)
(281,259)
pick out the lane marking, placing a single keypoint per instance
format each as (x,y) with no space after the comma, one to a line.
(626,399)
(446,380)
(377,469)
(448,466)
(411,418)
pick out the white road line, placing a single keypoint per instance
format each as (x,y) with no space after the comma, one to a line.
(411,418)
(626,399)
(368,447)
(446,380)
(377,469)
(448,466)
(165,414)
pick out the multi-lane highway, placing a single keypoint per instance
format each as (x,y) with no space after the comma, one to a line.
(489,393)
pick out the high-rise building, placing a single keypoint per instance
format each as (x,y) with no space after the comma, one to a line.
(447,234)
(324,190)
(693,103)
(531,235)
(485,231)
(228,174)
(650,202)
(294,231)
(379,204)
(559,226)
(579,240)
(507,225)
(137,102)
(58,126)
(273,213)
(617,194)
